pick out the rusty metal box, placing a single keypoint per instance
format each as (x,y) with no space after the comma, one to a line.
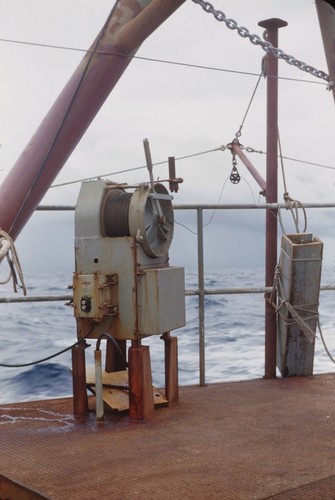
(300,275)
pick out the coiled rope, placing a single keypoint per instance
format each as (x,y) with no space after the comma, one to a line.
(8,250)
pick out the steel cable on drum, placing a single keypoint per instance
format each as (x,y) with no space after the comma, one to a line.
(115,213)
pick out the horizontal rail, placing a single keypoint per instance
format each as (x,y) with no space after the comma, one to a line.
(249,206)
(227,206)
(188,293)
(50,208)
(227,291)
(201,291)
(36,298)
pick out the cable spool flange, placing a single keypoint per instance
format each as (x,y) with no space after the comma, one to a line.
(146,215)
(151,219)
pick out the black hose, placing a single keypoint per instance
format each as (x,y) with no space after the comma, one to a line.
(22,365)
(116,345)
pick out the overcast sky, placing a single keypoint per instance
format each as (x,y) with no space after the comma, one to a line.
(182,110)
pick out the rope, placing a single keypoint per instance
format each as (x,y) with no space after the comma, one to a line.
(274,290)
(291,204)
(297,318)
(294,311)
(7,247)
(324,343)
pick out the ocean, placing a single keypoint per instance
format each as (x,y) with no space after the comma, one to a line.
(234,335)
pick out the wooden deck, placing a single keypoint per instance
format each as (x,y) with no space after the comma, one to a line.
(243,440)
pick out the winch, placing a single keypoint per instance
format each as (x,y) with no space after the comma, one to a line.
(123,284)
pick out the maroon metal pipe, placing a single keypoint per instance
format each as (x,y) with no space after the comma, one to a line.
(256,175)
(271,35)
(326,15)
(128,25)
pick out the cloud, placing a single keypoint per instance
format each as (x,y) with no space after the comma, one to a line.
(181,110)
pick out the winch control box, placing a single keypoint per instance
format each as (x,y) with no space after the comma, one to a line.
(94,295)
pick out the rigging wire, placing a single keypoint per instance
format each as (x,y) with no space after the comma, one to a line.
(220,148)
(237,135)
(164,162)
(43,164)
(185,227)
(156,60)
(239,132)
(221,193)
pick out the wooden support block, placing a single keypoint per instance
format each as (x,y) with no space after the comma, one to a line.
(80,400)
(171,369)
(141,403)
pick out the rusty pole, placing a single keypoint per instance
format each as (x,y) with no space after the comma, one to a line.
(258,178)
(326,14)
(128,25)
(271,35)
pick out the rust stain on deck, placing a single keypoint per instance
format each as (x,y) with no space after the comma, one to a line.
(240,440)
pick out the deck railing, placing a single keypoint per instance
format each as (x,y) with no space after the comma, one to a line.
(201,291)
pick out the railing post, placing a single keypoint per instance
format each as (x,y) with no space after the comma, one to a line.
(201,298)
(271,35)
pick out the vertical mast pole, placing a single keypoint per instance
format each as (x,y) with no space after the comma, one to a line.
(271,35)
(326,14)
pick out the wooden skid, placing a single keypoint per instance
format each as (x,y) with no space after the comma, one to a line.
(116,389)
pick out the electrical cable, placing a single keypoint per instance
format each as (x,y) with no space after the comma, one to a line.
(113,340)
(22,365)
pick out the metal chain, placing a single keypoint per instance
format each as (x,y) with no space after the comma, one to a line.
(249,149)
(256,40)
